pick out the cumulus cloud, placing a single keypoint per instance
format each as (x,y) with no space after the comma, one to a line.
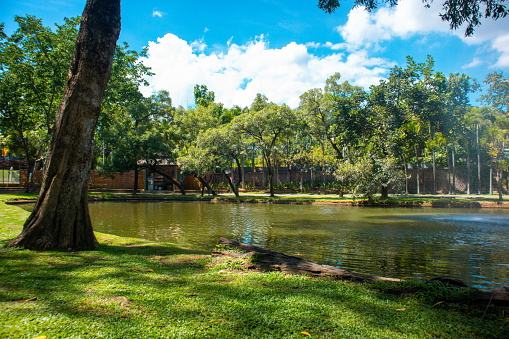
(237,73)
(365,30)
(474,63)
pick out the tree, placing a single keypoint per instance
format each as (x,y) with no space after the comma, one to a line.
(34,62)
(455,12)
(266,123)
(60,218)
(498,98)
(202,96)
(138,137)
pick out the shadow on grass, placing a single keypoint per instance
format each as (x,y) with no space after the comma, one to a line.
(163,291)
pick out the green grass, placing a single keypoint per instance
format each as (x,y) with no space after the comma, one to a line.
(131,288)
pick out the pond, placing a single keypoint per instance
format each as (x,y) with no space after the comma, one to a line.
(468,244)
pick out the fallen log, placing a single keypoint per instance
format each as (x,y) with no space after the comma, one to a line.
(268,260)
(264,259)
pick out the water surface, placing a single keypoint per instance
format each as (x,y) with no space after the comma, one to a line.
(469,244)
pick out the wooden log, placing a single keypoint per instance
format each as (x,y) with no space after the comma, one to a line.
(268,260)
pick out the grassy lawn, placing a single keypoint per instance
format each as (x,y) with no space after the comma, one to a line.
(133,288)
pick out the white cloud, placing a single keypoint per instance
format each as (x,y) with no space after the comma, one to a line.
(239,72)
(410,18)
(156,13)
(474,63)
(364,29)
(501,44)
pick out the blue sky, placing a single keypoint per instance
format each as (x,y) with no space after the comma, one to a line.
(282,48)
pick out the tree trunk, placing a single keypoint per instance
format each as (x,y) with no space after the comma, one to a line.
(301,181)
(30,177)
(478,161)
(264,178)
(434,173)
(499,183)
(418,176)
(243,174)
(270,175)
(499,172)
(60,218)
(385,193)
(135,185)
(406,176)
(240,174)
(205,185)
(491,176)
(468,168)
(173,181)
(453,171)
(232,186)
(448,171)
(276,163)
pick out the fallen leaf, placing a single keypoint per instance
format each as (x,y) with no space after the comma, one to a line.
(401,309)
(31,299)
(123,301)
(149,270)
(328,319)
(41,337)
(209,265)
(305,333)
(438,303)
(222,271)
(191,295)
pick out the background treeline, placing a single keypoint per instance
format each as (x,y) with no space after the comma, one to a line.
(365,139)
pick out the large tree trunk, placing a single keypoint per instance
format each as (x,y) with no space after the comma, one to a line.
(60,218)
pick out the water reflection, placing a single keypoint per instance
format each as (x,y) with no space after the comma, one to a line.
(469,244)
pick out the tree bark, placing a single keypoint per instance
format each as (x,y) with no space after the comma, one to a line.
(385,193)
(60,218)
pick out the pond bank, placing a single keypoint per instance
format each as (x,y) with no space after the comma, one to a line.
(439,201)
